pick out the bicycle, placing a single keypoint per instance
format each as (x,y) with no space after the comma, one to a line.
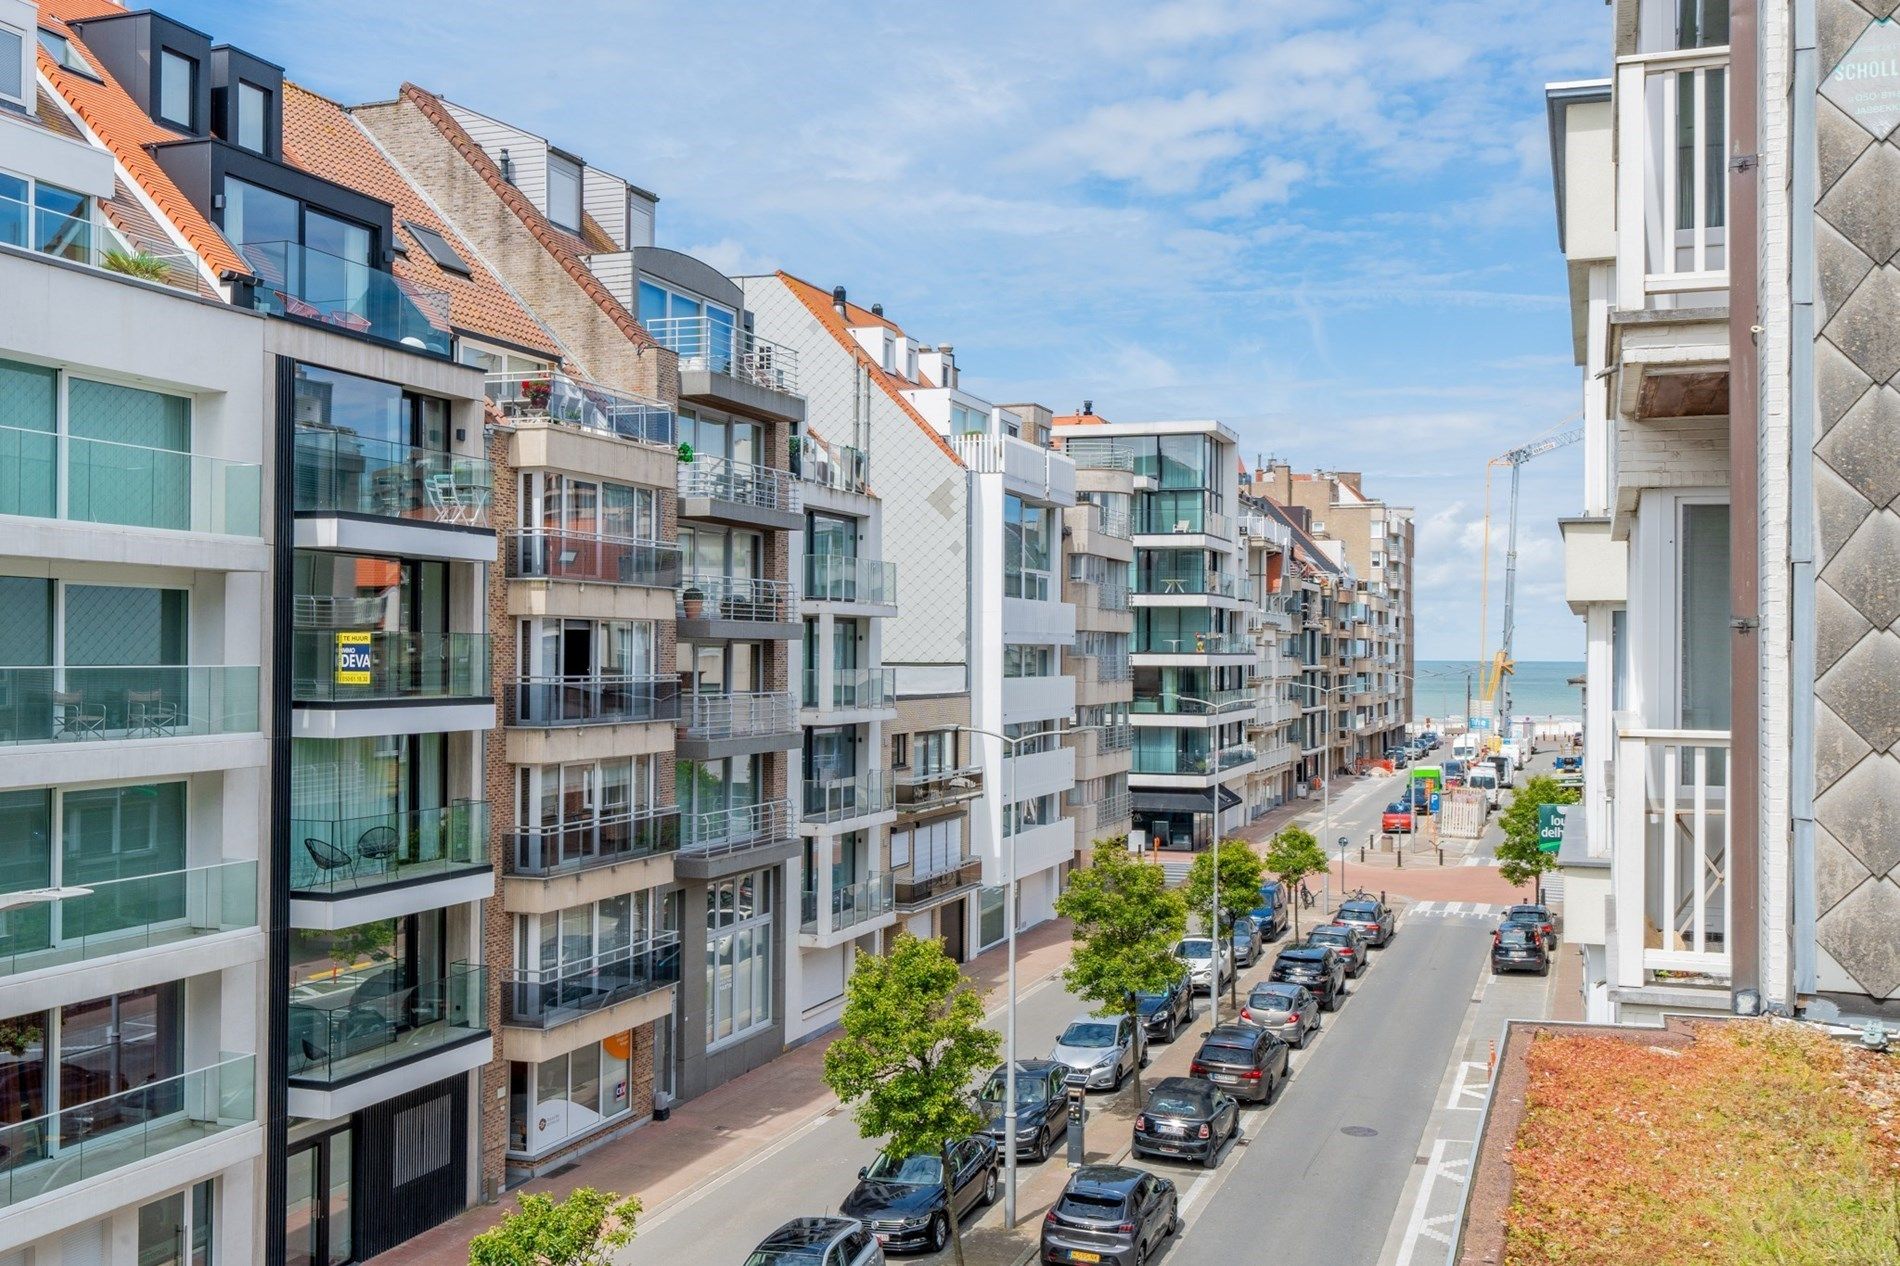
(1306,896)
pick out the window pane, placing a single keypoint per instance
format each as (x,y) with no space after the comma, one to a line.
(175,75)
(10,85)
(1705,608)
(162,1232)
(26,620)
(585,1078)
(124,625)
(564,192)
(253,105)
(202,1206)
(255,214)
(129,461)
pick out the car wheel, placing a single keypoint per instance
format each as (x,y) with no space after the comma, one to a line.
(1174,1218)
(1120,1075)
(939,1233)
(1174,1030)
(989,1186)
(1042,1146)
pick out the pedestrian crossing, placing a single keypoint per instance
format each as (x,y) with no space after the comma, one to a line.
(1454,910)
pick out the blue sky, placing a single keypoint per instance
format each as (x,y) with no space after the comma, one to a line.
(1328,223)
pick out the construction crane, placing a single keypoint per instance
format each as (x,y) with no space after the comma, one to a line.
(1496,668)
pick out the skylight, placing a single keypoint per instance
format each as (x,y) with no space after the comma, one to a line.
(440,251)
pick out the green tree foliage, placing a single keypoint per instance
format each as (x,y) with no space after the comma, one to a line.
(581,1230)
(913,1041)
(1240,871)
(1292,856)
(1520,860)
(1126,922)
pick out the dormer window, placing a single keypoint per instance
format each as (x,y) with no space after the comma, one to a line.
(177,89)
(61,50)
(253,116)
(12,67)
(564,192)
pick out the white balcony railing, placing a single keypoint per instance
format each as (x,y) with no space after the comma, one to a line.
(1052,473)
(720,348)
(1671,174)
(1670,854)
(722,479)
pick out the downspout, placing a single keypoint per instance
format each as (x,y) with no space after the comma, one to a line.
(1744,508)
(277,837)
(1801,553)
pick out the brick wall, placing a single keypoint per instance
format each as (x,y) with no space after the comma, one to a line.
(499,780)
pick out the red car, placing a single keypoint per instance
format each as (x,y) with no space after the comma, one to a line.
(1397,818)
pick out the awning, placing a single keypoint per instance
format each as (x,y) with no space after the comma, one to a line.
(1181,801)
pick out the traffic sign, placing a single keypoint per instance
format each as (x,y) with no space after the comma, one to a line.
(1434,802)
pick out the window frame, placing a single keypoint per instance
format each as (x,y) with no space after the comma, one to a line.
(18,59)
(167,59)
(241,116)
(564,164)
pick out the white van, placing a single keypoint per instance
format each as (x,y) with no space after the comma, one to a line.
(1464,747)
(1515,751)
(1485,778)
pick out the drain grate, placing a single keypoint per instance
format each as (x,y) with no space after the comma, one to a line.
(1357,1131)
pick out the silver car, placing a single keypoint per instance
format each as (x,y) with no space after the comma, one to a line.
(1290,1012)
(1198,953)
(1105,1049)
(1249,941)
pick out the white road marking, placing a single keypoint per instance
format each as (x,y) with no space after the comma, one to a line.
(1419,1226)
(1465,1088)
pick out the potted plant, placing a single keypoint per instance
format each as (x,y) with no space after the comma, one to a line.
(140,264)
(535,393)
(692,602)
(686,453)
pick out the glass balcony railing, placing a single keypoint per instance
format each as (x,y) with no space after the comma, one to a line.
(78,239)
(342,473)
(351,1022)
(556,397)
(549,999)
(374,665)
(742,483)
(92,1139)
(717,831)
(1171,704)
(835,578)
(735,598)
(569,847)
(554,701)
(842,799)
(713,717)
(120,916)
(1194,759)
(842,467)
(1178,514)
(1187,583)
(73,704)
(717,346)
(49,476)
(851,905)
(1186,643)
(339,854)
(292,280)
(920,887)
(556,554)
(921,791)
(852,689)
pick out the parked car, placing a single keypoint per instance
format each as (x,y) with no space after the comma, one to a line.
(1198,952)
(1115,1215)
(1539,917)
(1569,764)
(1289,1012)
(1454,773)
(1246,942)
(1397,818)
(1042,1106)
(1247,1062)
(1319,969)
(1517,947)
(1507,772)
(1272,914)
(1421,797)
(1166,1013)
(1518,753)
(1399,756)
(1348,942)
(904,1200)
(1188,1117)
(1373,917)
(1485,779)
(1105,1049)
(812,1241)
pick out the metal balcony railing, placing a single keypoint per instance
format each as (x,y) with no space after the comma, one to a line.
(852,689)
(920,889)
(592,700)
(837,578)
(549,999)
(1089,453)
(1671,846)
(843,908)
(557,554)
(712,717)
(720,347)
(734,598)
(722,479)
(542,852)
(833,800)
(719,831)
(1672,168)
(921,791)
(1113,810)
(559,398)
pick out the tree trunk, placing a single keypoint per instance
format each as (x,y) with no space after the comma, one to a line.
(950,1201)
(1141,1037)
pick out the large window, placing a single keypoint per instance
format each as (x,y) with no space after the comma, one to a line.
(1027,815)
(564,192)
(12,85)
(563,503)
(362,994)
(1029,661)
(177,89)
(1703,574)
(1027,549)
(45,218)
(739,936)
(742,442)
(570,1095)
(253,116)
(584,939)
(177,1230)
(698,329)
(357,805)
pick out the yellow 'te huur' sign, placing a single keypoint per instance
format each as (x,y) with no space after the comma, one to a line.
(352,659)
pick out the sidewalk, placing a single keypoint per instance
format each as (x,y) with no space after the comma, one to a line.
(665,1160)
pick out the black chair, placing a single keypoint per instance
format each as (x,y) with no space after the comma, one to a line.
(378,844)
(326,855)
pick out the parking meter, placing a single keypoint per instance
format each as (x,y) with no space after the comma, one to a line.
(1077,1086)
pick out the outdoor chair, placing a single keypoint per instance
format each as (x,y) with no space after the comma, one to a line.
(378,844)
(148,713)
(326,855)
(75,717)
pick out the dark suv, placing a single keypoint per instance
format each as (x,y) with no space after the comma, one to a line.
(1166,1013)
(1247,1062)
(1042,1106)
(1116,1215)
(1320,969)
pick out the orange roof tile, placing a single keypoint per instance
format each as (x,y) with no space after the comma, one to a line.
(322,138)
(818,302)
(1078,419)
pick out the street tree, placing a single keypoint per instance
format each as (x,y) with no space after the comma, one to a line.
(1240,871)
(1291,857)
(1126,921)
(1520,858)
(581,1229)
(912,1044)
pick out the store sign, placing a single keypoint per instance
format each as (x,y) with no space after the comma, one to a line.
(1550,826)
(353,658)
(1866,85)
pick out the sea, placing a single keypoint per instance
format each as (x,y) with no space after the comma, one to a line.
(1539,688)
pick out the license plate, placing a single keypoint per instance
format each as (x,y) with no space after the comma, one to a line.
(1174,1129)
(883,1238)
(1228,1078)
(1078,1255)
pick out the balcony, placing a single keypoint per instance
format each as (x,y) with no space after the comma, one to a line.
(1191,762)
(1670,855)
(549,999)
(739,724)
(1186,585)
(131,915)
(1028,470)
(1672,169)
(706,346)
(1179,517)
(338,857)
(101,1136)
(736,607)
(348,487)
(1095,453)
(1113,811)
(866,582)
(1263,528)
(836,801)
(1168,704)
(721,842)
(850,910)
(738,493)
(917,891)
(551,851)
(44,475)
(591,558)
(306,284)
(356,666)
(80,239)
(544,702)
(927,791)
(84,705)
(562,400)
(1194,644)
(841,468)
(350,1024)
(851,690)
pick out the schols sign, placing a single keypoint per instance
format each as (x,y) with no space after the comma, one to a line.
(352,659)
(1866,85)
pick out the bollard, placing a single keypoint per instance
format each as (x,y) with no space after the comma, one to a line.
(1441,854)
(1401,853)
(1491,1064)
(1362,855)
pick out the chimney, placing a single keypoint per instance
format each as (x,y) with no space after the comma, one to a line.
(1088,408)
(507,166)
(837,299)
(877,309)
(949,355)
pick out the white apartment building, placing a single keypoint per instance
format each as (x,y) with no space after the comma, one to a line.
(1270,603)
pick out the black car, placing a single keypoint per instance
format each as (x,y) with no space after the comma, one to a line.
(1348,942)
(1189,1117)
(1247,1062)
(1166,1013)
(1115,1215)
(810,1241)
(1042,1108)
(1518,947)
(1537,916)
(1319,969)
(904,1200)
(1376,920)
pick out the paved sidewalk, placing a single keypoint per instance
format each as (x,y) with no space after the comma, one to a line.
(664,1161)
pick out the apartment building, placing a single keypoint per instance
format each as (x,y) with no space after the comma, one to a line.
(1269,601)
(1731,563)
(976,643)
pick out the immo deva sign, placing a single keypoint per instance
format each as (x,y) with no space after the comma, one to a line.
(353,658)
(1866,85)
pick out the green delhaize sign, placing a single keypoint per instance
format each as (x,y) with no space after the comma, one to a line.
(1866,85)
(1550,826)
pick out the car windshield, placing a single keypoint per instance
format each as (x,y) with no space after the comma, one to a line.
(1076,1204)
(1030,1091)
(1398,806)
(912,1171)
(786,1257)
(1243,926)
(1515,936)
(1199,947)
(1272,999)
(1088,1033)
(1178,1103)
(1365,909)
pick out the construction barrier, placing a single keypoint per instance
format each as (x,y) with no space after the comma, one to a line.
(1461,813)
